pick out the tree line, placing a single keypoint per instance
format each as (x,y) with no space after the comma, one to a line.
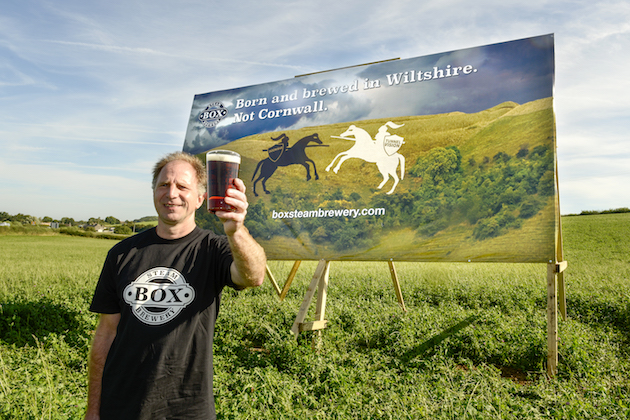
(71,226)
(595,212)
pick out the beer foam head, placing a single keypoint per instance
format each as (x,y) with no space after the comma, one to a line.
(223,156)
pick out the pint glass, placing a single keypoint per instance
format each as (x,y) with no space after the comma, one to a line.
(222,167)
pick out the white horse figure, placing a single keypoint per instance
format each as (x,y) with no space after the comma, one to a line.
(374,151)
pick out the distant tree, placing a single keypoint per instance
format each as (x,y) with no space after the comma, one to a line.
(501,156)
(112,220)
(25,219)
(530,207)
(67,221)
(439,165)
(335,195)
(123,230)
(458,154)
(523,152)
(355,196)
(540,150)
(47,219)
(546,184)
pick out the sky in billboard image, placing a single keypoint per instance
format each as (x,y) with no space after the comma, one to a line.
(91,95)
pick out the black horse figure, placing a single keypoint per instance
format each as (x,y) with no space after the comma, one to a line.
(292,156)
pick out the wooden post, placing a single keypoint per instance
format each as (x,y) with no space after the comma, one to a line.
(272,279)
(561,265)
(562,297)
(558,239)
(552,321)
(283,293)
(555,285)
(397,290)
(292,274)
(320,308)
(320,280)
(554,270)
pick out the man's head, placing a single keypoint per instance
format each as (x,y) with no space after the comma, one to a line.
(179,184)
(194,161)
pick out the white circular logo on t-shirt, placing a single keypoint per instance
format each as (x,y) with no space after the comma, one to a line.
(158,295)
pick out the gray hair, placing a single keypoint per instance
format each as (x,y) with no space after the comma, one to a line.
(193,160)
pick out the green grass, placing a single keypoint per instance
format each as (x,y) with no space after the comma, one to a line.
(471,346)
(46,284)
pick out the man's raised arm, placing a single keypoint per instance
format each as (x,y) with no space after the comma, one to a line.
(248,269)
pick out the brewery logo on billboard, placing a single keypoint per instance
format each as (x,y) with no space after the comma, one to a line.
(158,295)
(213,114)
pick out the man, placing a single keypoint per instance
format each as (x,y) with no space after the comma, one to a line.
(158,298)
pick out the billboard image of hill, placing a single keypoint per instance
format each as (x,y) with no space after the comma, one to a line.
(448,157)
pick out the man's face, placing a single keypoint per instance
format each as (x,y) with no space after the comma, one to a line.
(176,196)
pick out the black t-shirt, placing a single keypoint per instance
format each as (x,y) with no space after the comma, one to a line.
(167,292)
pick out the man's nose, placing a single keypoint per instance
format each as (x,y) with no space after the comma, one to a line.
(172,191)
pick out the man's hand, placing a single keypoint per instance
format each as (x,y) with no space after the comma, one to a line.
(235,197)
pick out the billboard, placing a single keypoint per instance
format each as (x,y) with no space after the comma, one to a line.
(445,157)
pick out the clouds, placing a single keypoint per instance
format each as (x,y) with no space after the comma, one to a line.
(104,85)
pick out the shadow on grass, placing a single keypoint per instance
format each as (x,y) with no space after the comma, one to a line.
(424,348)
(20,321)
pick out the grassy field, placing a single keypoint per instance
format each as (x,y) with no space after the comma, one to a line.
(471,346)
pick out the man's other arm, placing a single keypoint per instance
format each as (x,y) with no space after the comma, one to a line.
(103,338)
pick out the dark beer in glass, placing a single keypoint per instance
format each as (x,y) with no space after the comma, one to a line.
(222,167)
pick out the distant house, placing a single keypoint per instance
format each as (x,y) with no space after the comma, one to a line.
(97,227)
(5,224)
(54,225)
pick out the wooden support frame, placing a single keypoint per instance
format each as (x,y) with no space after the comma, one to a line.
(556,296)
(556,302)
(272,279)
(399,296)
(554,271)
(318,283)
(285,289)
(287,284)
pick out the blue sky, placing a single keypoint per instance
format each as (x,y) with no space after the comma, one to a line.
(93,93)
